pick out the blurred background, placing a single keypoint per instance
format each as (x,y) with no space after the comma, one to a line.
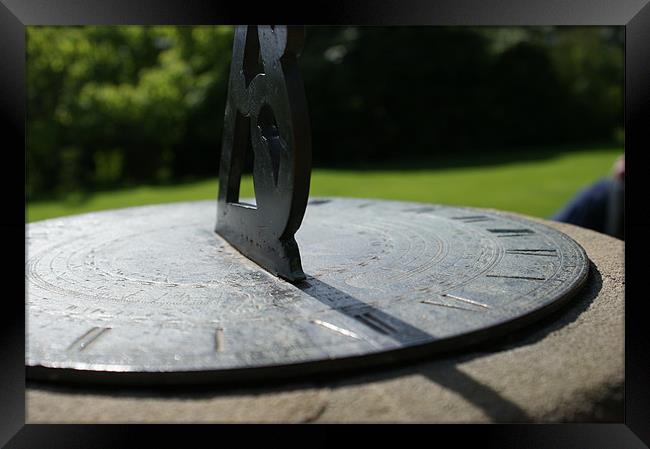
(514,118)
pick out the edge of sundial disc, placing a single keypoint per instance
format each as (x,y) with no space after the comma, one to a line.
(151,295)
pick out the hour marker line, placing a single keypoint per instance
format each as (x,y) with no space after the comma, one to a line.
(426,301)
(472,218)
(92,329)
(376,323)
(532,278)
(371,325)
(218,340)
(476,303)
(337,329)
(88,338)
(529,253)
(533,252)
(511,231)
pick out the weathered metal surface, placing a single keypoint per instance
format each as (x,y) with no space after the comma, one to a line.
(151,294)
(266,116)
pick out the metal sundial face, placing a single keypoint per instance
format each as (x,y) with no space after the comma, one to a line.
(152,294)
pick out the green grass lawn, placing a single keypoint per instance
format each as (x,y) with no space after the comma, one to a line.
(535,186)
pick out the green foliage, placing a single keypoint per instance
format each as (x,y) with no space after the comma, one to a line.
(123,105)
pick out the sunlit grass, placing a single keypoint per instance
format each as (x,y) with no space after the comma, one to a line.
(533,187)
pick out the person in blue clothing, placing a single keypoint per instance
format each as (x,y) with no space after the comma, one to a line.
(600,206)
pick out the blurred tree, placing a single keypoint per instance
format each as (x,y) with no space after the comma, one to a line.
(110,105)
(590,63)
(119,104)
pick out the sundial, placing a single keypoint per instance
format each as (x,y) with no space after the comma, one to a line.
(281,285)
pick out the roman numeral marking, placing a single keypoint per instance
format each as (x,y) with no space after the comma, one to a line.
(511,232)
(375,323)
(336,329)
(88,338)
(472,218)
(533,252)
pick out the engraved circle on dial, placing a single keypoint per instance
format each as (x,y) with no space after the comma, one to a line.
(153,289)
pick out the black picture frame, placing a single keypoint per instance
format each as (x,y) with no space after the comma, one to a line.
(15,15)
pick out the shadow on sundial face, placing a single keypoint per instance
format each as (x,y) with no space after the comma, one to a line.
(372,317)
